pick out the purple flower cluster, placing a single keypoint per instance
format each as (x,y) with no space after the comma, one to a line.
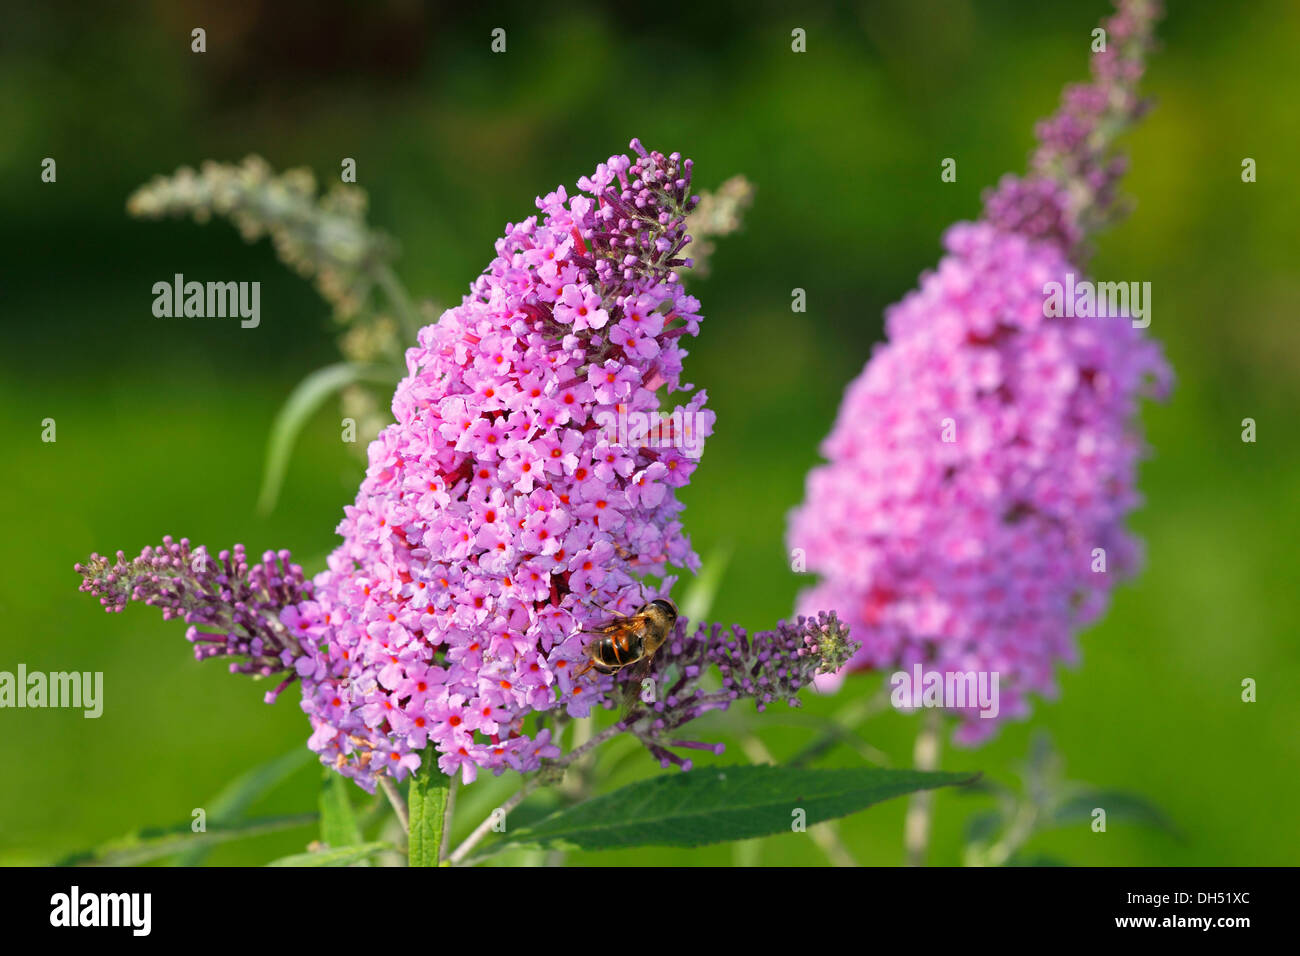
(234,609)
(766,667)
(982,457)
(498,511)
(1070,190)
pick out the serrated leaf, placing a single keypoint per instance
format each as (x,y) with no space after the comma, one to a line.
(1119,805)
(720,804)
(338,822)
(302,403)
(427,808)
(156,842)
(245,790)
(342,856)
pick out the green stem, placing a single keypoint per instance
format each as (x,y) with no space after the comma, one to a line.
(843,728)
(395,798)
(448,815)
(551,772)
(407,315)
(1021,829)
(916,826)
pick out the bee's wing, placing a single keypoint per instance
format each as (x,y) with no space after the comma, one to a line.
(631,622)
(609,627)
(636,673)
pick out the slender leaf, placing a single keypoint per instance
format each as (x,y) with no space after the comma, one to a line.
(157,842)
(719,804)
(1118,804)
(338,822)
(985,787)
(832,734)
(1035,859)
(377,810)
(427,804)
(540,806)
(245,790)
(298,408)
(343,856)
(983,826)
(699,597)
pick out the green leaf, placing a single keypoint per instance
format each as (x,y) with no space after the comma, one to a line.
(1118,804)
(538,807)
(832,734)
(343,856)
(1035,859)
(301,404)
(983,826)
(699,597)
(338,822)
(984,787)
(719,804)
(156,842)
(245,790)
(427,805)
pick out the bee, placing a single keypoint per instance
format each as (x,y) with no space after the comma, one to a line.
(630,641)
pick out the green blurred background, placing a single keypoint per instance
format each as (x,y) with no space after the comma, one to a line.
(162,424)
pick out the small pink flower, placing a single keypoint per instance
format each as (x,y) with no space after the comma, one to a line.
(581,307)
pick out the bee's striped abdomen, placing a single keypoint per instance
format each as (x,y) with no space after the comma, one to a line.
(617,651)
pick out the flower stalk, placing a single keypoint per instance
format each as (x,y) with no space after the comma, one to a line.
(925,756)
